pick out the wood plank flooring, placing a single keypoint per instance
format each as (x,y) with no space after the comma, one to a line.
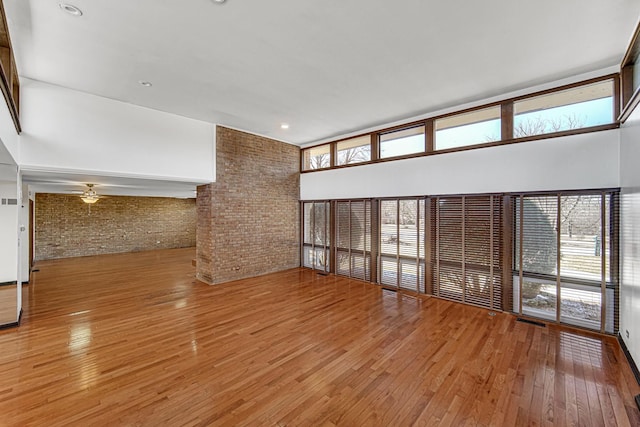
(133,339)
(8,304)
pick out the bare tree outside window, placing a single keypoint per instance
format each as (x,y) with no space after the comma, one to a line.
(354,155)
(539,125)
(319,161)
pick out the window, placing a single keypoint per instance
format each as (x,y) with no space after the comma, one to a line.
(585,107)
(475,127)
(562,266)
(466,249)
(355,150)
(402,234)
(402,142)
(353,239)
(316,235)
(575,108)
(316,157)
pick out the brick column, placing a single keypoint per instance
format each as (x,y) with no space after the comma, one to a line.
(248,220)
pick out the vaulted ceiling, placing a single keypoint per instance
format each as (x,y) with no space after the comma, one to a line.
(325,68)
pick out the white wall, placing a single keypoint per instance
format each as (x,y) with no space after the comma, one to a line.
(9,148)
(585,161)
(630,234)
(23,223)
(70,131)
(8,234)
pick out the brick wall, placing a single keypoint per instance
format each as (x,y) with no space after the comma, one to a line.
(64,226)
(248,221)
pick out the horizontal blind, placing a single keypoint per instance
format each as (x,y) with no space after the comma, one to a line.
(353,237)
(482,252)
(448,282)
(316,244)
(467,249)
(389,244)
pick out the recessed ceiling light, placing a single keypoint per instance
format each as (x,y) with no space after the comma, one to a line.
(284,126)
(70,9)
(145,83)
(219,1)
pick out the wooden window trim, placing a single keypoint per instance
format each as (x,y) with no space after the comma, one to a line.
(630,106)
(629,98)
(412,125)
(375,148)
(429,136)
(331,156)
(506,121)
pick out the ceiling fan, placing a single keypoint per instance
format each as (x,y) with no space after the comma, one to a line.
(89,195)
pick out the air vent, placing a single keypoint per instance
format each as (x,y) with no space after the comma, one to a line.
(531,322)
(11,202)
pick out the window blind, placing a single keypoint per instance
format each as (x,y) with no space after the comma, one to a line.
(466,249)
(353,238)
(316,235)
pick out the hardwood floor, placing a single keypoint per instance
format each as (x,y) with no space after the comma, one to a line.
(133,339)
(8,304)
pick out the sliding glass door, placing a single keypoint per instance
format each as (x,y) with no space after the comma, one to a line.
(316,241)
(402,244)
(563,270)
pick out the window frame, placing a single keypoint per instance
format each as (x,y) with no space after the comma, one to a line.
(336,156)
(629,97)
(401,128)
(9,80)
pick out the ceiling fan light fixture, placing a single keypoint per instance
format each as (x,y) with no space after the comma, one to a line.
(90,200)
(89,195)
(70,9)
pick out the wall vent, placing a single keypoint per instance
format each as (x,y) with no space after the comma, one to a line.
(12,202)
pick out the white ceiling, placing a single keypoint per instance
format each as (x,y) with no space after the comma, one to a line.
(48,182)
(327,68)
